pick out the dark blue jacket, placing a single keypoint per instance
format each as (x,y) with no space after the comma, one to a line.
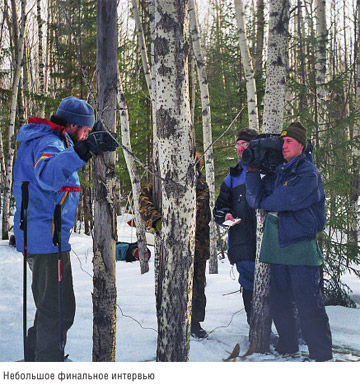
(232,199)
(295,191)
(47,159)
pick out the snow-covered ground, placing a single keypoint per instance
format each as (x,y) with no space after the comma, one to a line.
(136,322)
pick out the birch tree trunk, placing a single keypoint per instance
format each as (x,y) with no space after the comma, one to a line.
(159,265)
(274,100)
(177,157)
(321,35)
(142,45)
(248,67)
(207,131)
(150,81)
(134,178)
(260,27)
(320,67)
(11,132)
(104,282)
(41,60)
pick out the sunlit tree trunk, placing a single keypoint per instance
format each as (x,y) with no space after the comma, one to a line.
(248,67)
(11,131)
(207,132)
(41,60)
(321,36)
(176,156)
(274,101)
(134,178)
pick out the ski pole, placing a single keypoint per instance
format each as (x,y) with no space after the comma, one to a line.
(57,221)
(23,226)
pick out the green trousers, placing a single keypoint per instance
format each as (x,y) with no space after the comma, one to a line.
(43,340)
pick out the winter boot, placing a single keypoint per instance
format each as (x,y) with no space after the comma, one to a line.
(247,298)
(197,331)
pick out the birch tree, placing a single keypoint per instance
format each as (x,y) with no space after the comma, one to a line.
(19,50)
(150,81)
(41,59)
(274,101)
(134,177)
(260,27)
(248,67)
(104,282)
(177,158)
(159,265)
(207,132)
(321,38)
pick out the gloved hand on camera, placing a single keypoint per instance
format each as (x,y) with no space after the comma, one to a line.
(98,141)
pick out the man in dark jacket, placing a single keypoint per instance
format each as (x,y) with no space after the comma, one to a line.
(231,203)
(152,219)
(50,154)
(294,198)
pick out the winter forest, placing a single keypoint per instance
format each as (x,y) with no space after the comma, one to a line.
(170,77)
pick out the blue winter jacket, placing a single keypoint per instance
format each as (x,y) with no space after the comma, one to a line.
(46,158)
(231,199)
(295,191)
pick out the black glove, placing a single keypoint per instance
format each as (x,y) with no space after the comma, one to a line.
(98,141)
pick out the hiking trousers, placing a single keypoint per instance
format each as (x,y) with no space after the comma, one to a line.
(296,290)
(43,337)
(199,297)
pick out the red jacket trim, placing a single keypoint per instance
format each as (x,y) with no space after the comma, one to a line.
(69,189)
(54,126)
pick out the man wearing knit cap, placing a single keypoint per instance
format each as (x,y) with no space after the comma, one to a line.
(48,158)
(230,204)
(294,198)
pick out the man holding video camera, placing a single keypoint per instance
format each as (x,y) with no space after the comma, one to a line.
(294,197)
(230,205)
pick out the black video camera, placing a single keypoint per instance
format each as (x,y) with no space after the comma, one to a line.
(264,152)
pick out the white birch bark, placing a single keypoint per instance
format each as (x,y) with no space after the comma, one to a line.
(207,131)
(320,66)
(177,157)
(150,81)
(321,35)
(134,178)
(41,60)
(274,100)
(260,27)
(142,46)
(248,67)
(158,259)
(11,132)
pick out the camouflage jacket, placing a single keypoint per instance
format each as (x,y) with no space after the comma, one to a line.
(150,214)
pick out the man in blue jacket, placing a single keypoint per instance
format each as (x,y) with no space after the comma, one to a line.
(295,199)
(231,203)
(50,154)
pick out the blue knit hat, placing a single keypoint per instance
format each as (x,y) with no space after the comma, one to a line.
(76,112)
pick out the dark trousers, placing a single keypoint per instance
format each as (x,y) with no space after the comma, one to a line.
(199,297)
(43,337)
(296,290)
(246,271)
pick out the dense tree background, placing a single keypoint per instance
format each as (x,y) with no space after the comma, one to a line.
(60,60)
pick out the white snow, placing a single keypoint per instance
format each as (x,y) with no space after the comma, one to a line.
(137,329)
